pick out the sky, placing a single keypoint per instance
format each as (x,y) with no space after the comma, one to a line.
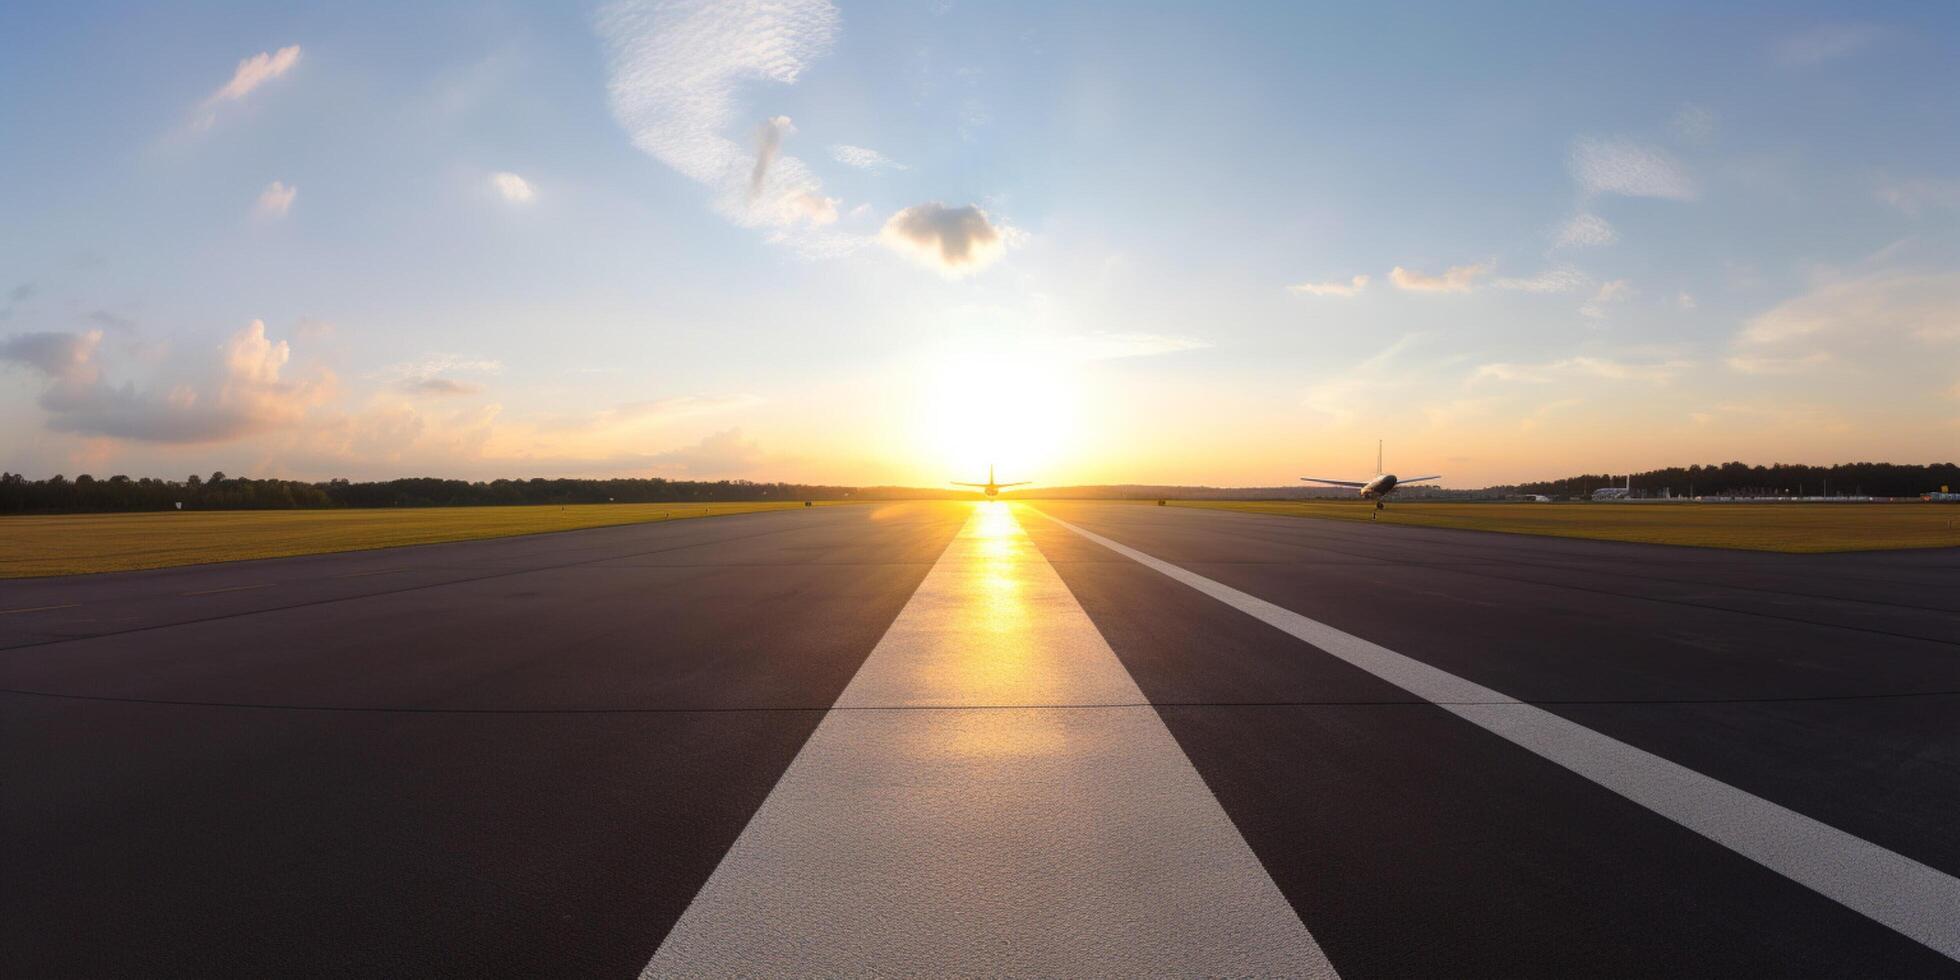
(855,243)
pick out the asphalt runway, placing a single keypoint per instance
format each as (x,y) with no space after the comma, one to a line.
(938,737)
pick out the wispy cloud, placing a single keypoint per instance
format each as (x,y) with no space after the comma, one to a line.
(1114,346)
(1693,123)
(443,387)
(250,74)
(955,241)
(1585,229)
(1826,42)
(1915,196)
(675,71)
(512,188)
(864,158)
(1571,368)
(1331,288)
(1867,318)
(1622,166)
(1549,281)
(434,364)
(1617,291)
(1455,279)
(275,200)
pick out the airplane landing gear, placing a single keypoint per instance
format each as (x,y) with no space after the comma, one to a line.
(1379,504)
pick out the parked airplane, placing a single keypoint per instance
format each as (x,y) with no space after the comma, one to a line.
(1378,488)
(991,488)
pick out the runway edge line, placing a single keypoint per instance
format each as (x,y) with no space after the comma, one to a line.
(1913,899)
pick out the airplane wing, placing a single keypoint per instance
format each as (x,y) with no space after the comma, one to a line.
(1338,483)
(1022,483)
(1419,479)
(959,484)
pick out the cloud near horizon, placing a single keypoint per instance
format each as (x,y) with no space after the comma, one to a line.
(955,241)
(242,394)
(722,454)
(1455,279)
(1333,287)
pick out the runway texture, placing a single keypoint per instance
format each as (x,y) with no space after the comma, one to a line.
(1062,738)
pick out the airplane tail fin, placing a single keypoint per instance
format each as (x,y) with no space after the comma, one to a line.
(990,472)
(1378,457)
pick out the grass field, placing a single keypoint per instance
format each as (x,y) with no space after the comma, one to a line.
(1799,528)
(69,544)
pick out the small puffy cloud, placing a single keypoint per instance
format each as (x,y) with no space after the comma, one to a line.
(1455,279)
(1584,230)
(1333,287)
(68,357)
(1584,368)
(1685,300)
(253,72)
(441,387)
(722,454)
(275,201)
(1622,166)
(1826,42)
(1617,291)
(241,394)
(512,188)
(1549,281)
(863,158)
(955,241)
(1916,196)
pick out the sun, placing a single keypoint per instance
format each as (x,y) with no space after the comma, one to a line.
(992,404)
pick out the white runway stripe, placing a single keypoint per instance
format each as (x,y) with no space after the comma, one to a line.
(1916,900)
(1039,840)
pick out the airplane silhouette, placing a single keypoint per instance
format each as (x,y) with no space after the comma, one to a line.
(992,488)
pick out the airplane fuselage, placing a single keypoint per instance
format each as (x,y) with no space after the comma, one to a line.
(1379,487)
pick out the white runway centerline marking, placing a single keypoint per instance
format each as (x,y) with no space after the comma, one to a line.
(1916,900)
(1029,840)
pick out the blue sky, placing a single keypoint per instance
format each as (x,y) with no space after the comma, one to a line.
(869,243)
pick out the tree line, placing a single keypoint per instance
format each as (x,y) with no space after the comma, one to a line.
(58,494)
(1741,479)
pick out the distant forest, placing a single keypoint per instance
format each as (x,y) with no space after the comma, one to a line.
(220,492)
(19,495)
(1741,479)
